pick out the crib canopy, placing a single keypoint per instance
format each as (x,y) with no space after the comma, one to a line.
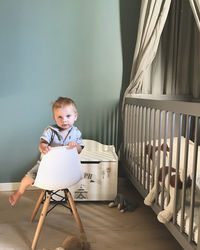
(164,63)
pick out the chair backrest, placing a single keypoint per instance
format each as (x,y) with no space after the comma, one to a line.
(60,168)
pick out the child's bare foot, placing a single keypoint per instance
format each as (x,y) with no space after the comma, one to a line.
(14,198)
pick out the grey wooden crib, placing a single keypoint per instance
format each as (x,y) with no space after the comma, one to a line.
(161,157)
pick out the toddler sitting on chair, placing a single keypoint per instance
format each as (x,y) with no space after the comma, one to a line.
(63,133)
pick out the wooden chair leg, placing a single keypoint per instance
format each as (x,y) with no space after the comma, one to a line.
(37,206)
(74,211)
(41,221)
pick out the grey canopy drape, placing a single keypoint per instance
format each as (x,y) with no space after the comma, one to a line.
(153,15)
(195,5)
(167,53)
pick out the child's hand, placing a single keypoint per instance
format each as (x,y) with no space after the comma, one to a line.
(44,148)
(72,144)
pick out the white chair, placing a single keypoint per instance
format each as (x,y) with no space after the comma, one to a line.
(59,169)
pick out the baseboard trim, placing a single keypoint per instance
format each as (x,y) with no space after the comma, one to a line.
(11,186)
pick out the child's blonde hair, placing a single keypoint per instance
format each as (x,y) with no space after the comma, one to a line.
(62,102)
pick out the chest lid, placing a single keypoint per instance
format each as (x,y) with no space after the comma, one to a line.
(95,151)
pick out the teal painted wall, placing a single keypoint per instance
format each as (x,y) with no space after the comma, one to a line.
(54,48)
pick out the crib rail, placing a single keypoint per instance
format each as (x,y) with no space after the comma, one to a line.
(161,149)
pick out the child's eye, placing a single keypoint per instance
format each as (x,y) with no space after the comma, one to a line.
(68,116)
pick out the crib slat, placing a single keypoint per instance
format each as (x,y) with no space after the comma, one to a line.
(158,154)
(145,143)
(130,134)
(194,168)
(188,124)
(154,143)
(180,118)
(125,131)
(198,237)
(141,143)
(135,141)
(164,159)
(172,128)
(149,160)
(132,139)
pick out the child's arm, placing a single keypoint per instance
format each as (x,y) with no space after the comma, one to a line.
(73,144)
(44,146)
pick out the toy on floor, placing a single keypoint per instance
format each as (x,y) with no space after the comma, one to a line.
(123,204)
(74,243)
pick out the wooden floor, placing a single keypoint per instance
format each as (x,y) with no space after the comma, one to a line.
(106,228)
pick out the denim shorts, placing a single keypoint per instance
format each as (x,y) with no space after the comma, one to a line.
(33,171)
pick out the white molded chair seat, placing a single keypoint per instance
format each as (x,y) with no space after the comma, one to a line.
(60,168)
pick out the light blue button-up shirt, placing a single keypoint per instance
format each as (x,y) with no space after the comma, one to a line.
(54,138)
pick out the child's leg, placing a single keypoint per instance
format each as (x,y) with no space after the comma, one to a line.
(25,183)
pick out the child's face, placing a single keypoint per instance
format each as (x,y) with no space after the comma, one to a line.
(65,116)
